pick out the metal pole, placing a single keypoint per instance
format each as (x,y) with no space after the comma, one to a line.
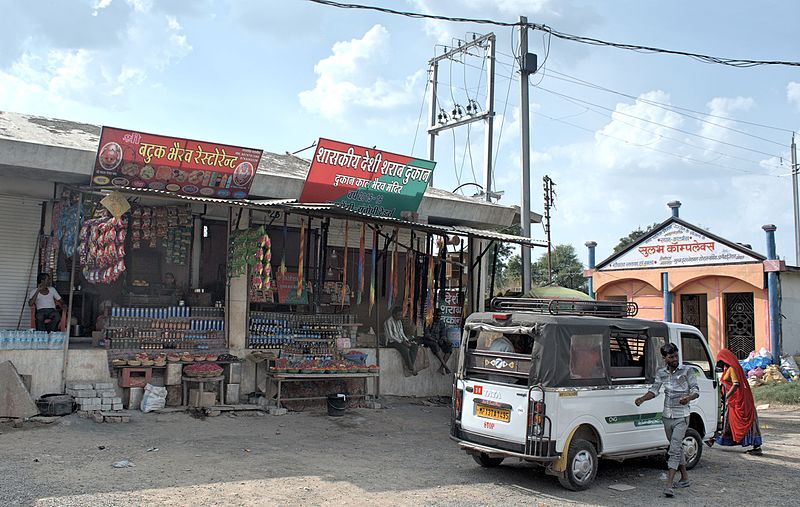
(65,360)
(525,205)
(773,298)
(433,72)
(795,201)
(489,137)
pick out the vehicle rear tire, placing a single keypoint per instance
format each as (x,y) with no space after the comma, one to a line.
(581,466)
(486,461)
(692,447)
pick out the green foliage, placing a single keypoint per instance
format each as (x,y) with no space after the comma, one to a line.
(242,250)
(785,394)
(637,233)
(567,269)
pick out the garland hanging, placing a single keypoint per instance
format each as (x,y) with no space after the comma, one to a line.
(361,249)
(299,290)
(344,271)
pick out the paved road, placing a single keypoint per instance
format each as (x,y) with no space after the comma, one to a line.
(399,455)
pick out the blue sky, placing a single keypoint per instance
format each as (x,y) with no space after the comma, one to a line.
(279,74)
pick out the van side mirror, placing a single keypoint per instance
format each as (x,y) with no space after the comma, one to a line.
(718,369)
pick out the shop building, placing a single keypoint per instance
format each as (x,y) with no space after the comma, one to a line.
(679,272)
(45,165)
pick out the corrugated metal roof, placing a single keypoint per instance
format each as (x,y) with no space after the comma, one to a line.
(498,236)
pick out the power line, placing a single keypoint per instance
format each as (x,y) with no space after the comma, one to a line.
(660,124)
(662,136)
(732,62)
(647,147)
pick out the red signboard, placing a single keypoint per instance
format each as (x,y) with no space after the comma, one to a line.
(366,180)
(183,166)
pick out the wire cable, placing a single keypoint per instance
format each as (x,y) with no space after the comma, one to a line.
(732,62)
(421,109)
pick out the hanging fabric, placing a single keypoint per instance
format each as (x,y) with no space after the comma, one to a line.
(344,270)
(391,292)
(373,278)
(429,300)
(282,268)
(361,249)
(300,261)
(407,281)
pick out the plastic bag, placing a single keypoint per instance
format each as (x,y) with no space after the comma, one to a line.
(154,398)
(790,365)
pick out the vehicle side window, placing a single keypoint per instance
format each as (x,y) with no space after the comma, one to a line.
(586,356)
(695,353)
(627,352)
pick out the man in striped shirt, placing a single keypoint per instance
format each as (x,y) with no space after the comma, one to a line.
(680,387)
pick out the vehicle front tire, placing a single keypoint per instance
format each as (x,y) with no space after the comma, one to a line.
(486,461)
(581,466)
(692,447)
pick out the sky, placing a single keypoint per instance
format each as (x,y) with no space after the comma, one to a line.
(621,133)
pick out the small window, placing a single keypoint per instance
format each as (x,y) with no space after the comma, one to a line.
(694,352)
(617,299)
(504,342)
(586,357)
(627,353)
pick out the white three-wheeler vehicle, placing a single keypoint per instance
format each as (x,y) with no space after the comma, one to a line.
(554,382)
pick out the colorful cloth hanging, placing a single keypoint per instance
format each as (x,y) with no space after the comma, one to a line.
(361,252)
(299,290)
(429,300)
(344,270)
(373,277)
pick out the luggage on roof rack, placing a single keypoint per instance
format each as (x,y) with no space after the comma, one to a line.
(615,309)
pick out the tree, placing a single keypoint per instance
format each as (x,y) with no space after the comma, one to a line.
(567,269)
(631,238)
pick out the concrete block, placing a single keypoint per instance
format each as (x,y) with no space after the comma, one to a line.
(125,418)
(116,406)
(83,413)
(79,385)
(15,400)
(114,419)
(277,411)
(232,394)
(98,417)
(172,374)
(115,400)
(206,400)
(133,397)
(84,393)
(104,385)
(174,394)
(107,394)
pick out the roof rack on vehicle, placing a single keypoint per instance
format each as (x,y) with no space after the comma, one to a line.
(616,309)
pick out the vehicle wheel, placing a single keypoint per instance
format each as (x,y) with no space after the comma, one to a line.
(692,447)
(581,466)
(486,461)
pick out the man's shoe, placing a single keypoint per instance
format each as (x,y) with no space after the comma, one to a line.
(756,451)
(669,492)
(681,484)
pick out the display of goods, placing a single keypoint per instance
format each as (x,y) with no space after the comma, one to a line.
(69,216)
(119,362)
(228,358)
(102,249)
(204,369)
(374,368)
(211,357)
(134,362)
(262,267)
(243,250)
(173,358)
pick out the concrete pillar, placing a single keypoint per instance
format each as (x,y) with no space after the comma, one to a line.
(667,297)
(772,296)
(675,206)
(238,303)
(591,246)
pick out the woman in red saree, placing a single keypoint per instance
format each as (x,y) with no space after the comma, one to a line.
(740,423)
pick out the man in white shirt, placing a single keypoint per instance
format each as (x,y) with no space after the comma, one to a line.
(44,299)
(396,338)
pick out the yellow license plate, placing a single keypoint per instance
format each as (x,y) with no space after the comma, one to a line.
(498,414)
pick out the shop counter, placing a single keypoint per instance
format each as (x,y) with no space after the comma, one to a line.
(275,380)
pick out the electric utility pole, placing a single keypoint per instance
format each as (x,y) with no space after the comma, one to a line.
(440,120)
(549,199)
(795,204)
(527,66)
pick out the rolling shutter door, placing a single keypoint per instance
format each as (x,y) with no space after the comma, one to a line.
(19,226)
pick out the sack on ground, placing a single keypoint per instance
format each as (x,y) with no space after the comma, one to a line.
(154,398)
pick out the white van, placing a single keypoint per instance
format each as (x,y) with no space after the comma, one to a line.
(565,396)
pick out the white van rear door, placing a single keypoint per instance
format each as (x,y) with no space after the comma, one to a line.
(695,355)
(495,410)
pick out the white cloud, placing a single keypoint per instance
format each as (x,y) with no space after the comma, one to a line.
(347,79)
(793,93)
(53,70)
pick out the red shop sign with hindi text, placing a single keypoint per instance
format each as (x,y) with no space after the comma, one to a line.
(135,159)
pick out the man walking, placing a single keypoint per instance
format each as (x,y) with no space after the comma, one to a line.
(680,387)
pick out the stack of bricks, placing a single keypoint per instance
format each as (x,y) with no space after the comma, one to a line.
(98,400)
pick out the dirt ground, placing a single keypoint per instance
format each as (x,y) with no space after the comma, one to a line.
(398,455)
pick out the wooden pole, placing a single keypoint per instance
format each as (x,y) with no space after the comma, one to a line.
(65,359)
